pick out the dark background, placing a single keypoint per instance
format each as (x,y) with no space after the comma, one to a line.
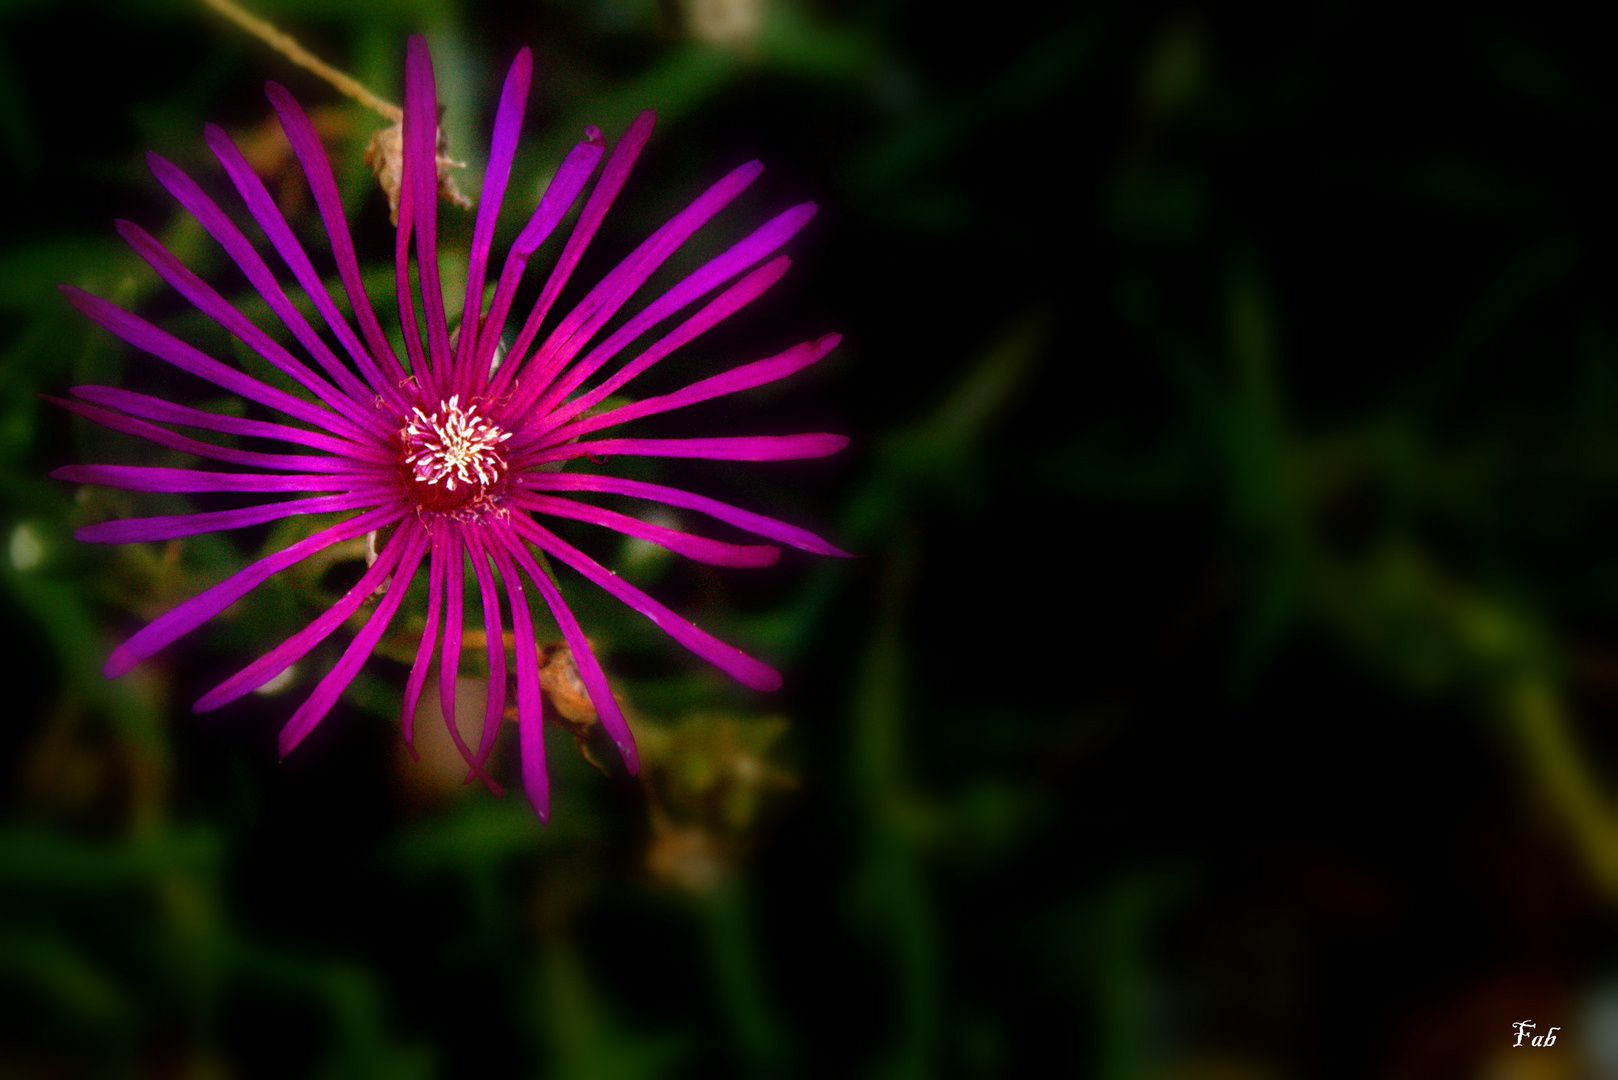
(1225,684)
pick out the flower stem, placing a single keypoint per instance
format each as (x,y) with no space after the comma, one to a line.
(288,47)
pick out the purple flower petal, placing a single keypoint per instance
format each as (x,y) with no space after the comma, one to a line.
(355,402)
(450,648)
(710,275)
(502,149)
(216,307)
(736,379)
(151,408)
(606,190)
(712,313)
(738,448)
(601,302)
(165,346)
(424,652)
(323,185)
(447,546)
(729,659)
(640,489)
(312,463)
(494,705)
(268,216)
(447,565)
(420,191)
(155,478)
(421,372)
(403,548)
(584,657)
(559,195)
(319,703)
(210,602)
(713,552)
(530,727)
(173,526)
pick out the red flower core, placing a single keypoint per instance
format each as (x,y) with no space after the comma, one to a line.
(452,459)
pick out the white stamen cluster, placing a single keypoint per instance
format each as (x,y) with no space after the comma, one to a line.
(454,446)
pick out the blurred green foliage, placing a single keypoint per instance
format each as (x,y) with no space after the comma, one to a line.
(1224,685)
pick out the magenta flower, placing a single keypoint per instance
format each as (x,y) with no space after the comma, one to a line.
(448,457)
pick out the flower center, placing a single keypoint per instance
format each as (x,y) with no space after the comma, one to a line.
(452,459)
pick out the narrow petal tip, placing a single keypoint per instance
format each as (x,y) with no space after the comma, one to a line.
(542,807)
(118,663)
(226,692)
(289,738)
(628,751)
(168,174)
(764,678)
